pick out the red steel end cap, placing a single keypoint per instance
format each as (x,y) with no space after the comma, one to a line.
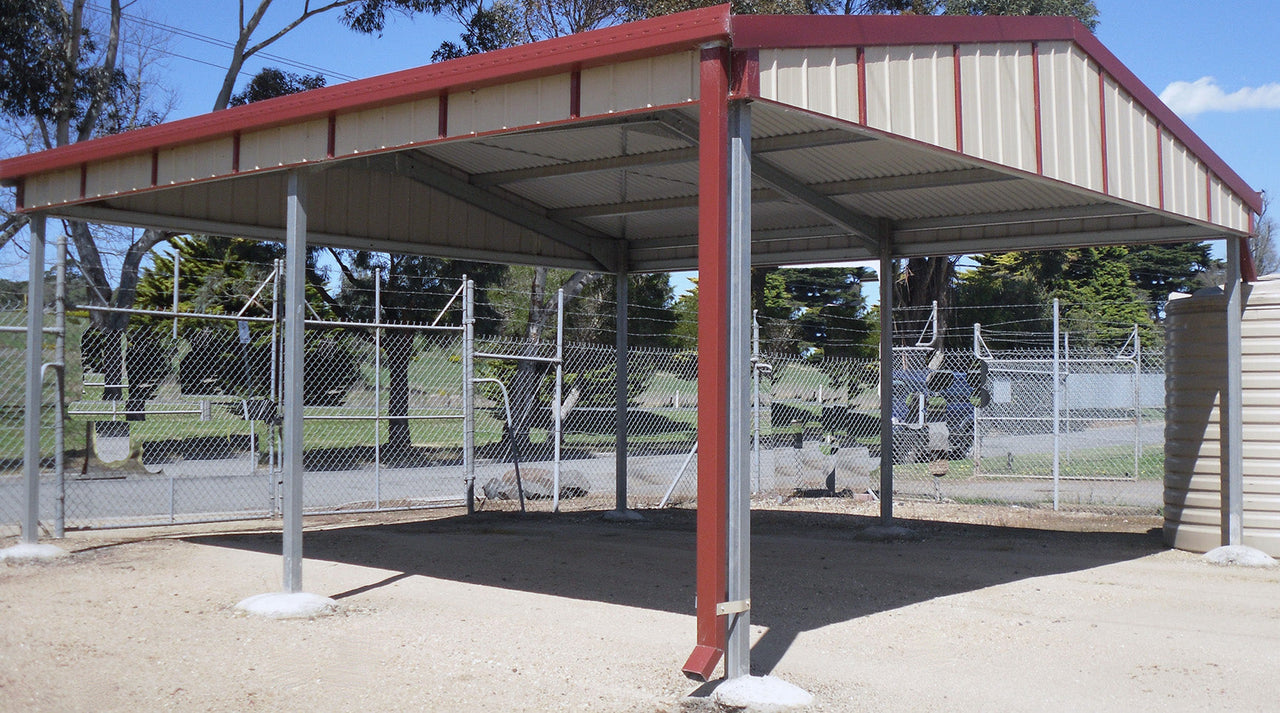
(702,663)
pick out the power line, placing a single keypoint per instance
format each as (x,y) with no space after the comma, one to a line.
(223,44)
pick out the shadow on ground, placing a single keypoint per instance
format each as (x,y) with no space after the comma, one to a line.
(808,569)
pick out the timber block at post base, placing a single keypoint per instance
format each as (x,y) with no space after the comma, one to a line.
(702,663)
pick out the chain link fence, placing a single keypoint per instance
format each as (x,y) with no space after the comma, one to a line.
(176,421)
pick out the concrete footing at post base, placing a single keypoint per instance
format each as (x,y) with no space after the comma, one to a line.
(752,694)
(1239,556)
(288,605)
(31,552)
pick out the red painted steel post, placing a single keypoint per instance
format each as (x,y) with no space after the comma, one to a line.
(713,357)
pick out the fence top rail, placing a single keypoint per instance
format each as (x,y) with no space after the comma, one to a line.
(339,324)
(174,315)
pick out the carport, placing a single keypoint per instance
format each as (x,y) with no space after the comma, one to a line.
(694,141)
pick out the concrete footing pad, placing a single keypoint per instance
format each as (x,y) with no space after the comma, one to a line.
(760,694)
(28,552)
(623,516)
(285,605)
(1239,556)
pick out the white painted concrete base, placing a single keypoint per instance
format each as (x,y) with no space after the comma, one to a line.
(284,605)
(1239,556)
(32,553)
(887,533)
(760,694)
(623,516)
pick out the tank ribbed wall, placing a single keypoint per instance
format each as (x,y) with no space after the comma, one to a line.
(1195,373)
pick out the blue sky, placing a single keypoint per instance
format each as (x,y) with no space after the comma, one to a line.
(1217,64)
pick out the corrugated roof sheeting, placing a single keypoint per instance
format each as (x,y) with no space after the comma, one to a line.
(554,146)
(594,189)
(356,204)
(961,200)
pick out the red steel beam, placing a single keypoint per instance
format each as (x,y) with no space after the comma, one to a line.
(713,348)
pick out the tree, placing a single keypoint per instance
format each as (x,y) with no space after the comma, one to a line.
(414,290)
(364,16)
(76,90)
(67,79)
(1266,256)
(1099,298)
(1157,270)
(272,82)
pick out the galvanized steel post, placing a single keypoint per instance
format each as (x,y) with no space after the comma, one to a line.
(60,373)
(556,408)
(295,314)
(1057,401)
(1232,412)
(34,384)
(377,387)
(886,380)
(738,598)
(620,395)
(755,401)
(468,394)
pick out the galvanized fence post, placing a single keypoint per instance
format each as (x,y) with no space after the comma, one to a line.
(557,406)
(377,387)
(468,394)
(60,369)
(34,384)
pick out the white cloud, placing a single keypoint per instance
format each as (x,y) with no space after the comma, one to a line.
(1204,94)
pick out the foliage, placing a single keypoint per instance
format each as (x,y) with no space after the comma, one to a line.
(1158,270)
(272,82)
(486,29)
(1099,298)
(1083,10)
(49,64)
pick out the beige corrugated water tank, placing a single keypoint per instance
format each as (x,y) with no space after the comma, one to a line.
(1195,374)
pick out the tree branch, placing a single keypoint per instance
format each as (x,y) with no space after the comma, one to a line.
(307,14)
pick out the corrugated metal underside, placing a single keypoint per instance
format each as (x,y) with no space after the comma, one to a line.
(941,176)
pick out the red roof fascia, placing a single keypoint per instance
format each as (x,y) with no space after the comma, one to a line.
(633,40)
(799,31)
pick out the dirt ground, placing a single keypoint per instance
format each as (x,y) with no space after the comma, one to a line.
(500,612)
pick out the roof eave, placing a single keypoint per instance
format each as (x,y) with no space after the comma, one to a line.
(634,40)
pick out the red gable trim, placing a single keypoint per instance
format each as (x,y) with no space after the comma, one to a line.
(647,38)
(785,32)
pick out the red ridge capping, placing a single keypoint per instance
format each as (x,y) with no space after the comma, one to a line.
(797,31)
(633,40)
